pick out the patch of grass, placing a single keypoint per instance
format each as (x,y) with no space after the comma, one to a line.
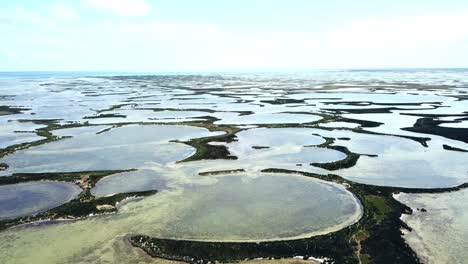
(10,110)
(380,204)
(106,116)
(93,176)
(206,151)
(361,235)
(350,160)
(365,259)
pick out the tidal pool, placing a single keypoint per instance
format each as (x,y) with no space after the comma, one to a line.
(439,234)
(22,199)
(125,147)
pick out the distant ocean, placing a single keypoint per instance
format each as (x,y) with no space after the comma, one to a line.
(38,74)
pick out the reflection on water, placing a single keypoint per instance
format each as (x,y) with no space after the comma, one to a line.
(120,148)
(30,198)
(401,162)
(282,145)
(266,118)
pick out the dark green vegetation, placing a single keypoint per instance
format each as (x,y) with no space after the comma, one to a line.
(86,179)
(283,101)
(431,126)
(368,103)
(348,162)
(447,147)
(260,147)
(420,140)
(50,124)
(206,173)
(105,116)
(362,123)
(380,110)
(86,204)
(114,107)
(205,150)
(376,238)
(10,110)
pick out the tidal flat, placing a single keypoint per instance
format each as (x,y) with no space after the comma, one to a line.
(329,167)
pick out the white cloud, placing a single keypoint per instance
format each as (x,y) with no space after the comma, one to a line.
(121,7)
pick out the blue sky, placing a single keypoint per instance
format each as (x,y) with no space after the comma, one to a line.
(231,35)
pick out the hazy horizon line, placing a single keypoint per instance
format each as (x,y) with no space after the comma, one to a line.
(236,71)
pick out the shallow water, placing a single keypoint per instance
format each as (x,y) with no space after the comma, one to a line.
(30,198)
(439,235)
(282,146)
(239,99)
(79,131)
(125,182)
(401,162)
(270,207)
(237,207)
(126,147)
(276,137)
(269,118)
(13,132)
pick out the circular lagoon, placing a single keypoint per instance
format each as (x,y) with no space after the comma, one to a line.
(262,208)
(17,200)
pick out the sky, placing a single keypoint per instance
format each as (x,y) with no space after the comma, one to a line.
(231,35)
